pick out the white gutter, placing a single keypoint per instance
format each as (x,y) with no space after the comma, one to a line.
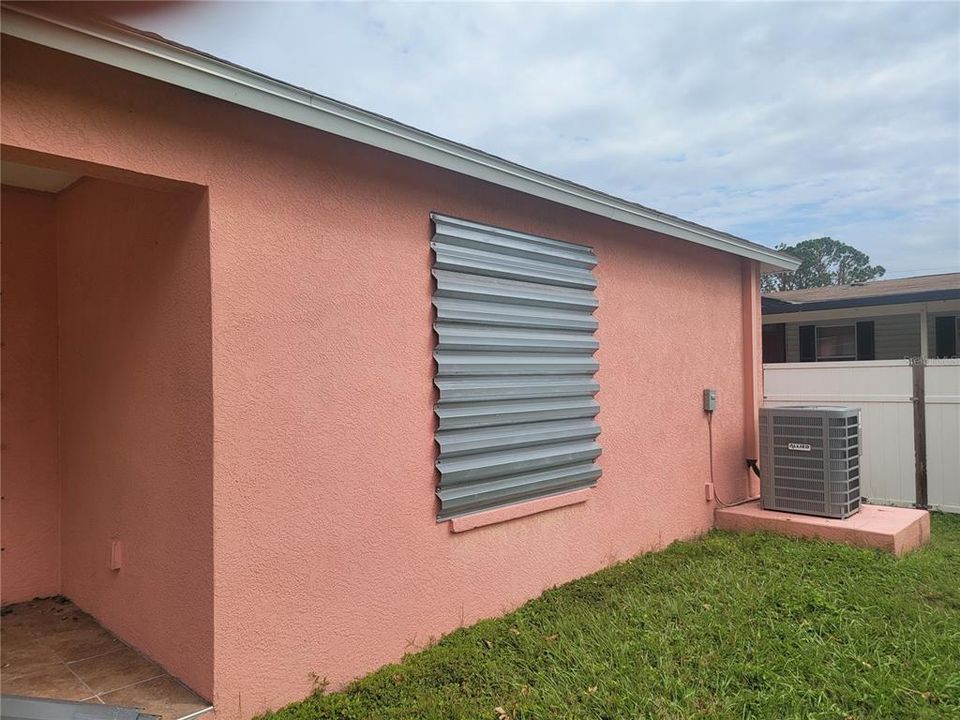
(155,58)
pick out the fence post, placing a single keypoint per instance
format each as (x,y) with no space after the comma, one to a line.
(918,365)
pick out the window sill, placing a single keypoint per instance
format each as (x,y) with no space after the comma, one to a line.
(513,512)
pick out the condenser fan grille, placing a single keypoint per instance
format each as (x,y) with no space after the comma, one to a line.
(810,460)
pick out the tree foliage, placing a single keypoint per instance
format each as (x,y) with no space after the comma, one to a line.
(824,261)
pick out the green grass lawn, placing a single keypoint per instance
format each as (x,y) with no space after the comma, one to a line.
(727,626)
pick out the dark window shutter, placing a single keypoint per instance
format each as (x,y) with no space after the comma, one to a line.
(808,343)
(946,336)
(865,346)
(775,343)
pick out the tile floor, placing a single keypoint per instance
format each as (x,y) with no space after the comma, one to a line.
(50,648)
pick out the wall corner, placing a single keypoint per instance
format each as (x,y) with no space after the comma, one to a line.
(752,367)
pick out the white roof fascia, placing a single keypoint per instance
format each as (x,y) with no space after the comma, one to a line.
(155,58)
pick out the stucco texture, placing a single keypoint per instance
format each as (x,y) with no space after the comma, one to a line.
(327,556)
(136,418)
(107,412)
(28,384)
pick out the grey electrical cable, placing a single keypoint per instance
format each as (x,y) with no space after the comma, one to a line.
(716,495)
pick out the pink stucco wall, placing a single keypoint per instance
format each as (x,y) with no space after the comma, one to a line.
(31,490)
(107,412)
(327,556)
(752,372)
(135,417)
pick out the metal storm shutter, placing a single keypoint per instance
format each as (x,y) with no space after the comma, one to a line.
(515,366)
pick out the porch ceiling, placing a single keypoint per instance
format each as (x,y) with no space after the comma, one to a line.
(35,178)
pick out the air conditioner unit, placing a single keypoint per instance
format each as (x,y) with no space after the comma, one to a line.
(810,460)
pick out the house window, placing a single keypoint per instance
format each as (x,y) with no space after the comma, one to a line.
(837,342)
(515,365)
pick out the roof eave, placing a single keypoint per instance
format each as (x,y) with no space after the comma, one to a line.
(868,301)
(201,73)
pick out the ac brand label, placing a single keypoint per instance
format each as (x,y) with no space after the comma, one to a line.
(803,447)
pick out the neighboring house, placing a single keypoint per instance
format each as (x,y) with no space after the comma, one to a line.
(877,320)
(910,412)
(273,411)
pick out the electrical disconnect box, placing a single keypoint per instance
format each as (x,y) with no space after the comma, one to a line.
(709,400)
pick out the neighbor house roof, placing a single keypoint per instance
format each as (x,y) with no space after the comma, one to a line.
(155,57)
(922,288)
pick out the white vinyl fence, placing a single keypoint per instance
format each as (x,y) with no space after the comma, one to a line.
(883,390)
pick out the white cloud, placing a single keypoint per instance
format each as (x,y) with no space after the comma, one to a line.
(774,121)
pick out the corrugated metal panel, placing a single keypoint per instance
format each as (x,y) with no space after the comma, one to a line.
(515,366)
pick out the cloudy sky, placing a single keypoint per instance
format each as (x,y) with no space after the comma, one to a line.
(777,122)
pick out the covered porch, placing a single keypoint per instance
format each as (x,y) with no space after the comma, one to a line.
(106,437)
(52,649)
